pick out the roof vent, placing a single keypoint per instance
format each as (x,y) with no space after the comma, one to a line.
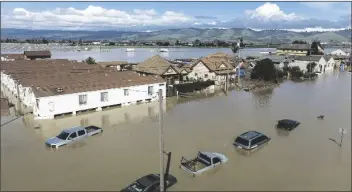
(106,74)
(129,80)
(59,89)
(38,88)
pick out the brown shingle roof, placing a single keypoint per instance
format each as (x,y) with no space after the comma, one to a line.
(215,61)
(155,65)
(46,76)
(13,56)
(46,54)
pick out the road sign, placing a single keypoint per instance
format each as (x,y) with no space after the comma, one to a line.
(342,131)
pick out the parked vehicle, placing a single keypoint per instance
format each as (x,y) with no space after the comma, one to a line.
(72,135)
(150,183)
(251,140)
(203,162)
(287,124)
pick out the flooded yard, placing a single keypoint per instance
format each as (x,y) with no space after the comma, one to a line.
(304,159)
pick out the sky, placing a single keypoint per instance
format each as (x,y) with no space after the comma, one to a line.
(150,16)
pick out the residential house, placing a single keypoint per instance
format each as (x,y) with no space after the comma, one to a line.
(214,67)
(303,61)
(52,89)
(157,65)
(33,55)
(117,65)
(338,52)
(330,63)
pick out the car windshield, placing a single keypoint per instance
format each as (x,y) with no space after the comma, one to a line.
(63,135)
(242,141)
(136,186)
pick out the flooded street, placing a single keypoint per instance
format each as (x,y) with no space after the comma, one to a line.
(304,159)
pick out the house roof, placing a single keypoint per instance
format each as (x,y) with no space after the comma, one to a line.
(327,57)
(314,58)
(73,77)
(37,53)
(155,65)
(295,46)
(14,56)
(215,62)
(274,58)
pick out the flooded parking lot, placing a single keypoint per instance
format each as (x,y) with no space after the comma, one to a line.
(304,159)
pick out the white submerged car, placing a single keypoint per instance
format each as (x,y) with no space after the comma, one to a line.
(203,162)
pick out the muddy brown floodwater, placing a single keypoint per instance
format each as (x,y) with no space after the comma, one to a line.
(305,159)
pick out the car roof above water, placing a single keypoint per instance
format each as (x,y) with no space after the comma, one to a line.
(73,129)
(249,135)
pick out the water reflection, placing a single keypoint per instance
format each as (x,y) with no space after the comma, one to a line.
(262,98)
(105,119)
(281,132)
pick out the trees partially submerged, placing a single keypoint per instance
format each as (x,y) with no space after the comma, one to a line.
(264,70)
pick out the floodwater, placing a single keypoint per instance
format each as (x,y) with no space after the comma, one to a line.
(305,159)
(141,54)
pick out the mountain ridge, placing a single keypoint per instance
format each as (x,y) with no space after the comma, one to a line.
(184,34)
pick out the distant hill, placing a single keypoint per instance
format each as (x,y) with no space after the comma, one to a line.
(187,34)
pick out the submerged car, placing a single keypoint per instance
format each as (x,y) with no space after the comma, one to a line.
(251,140)
(72,135)
(287,124)
(203,162)
(150,183)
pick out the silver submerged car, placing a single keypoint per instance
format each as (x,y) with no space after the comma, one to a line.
(72,135)
(251,140)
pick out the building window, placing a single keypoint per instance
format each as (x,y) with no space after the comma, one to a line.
(206,76)
(150,90)
(126,92)
(161,85)
(196,74)
(82,99)
(104,96)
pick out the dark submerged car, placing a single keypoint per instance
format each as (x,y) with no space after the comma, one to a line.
(150,183)
(251,140)
(287,124)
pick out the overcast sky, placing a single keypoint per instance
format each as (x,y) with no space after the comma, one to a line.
(163,15)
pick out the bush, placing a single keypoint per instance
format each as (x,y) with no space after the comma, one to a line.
(296,72)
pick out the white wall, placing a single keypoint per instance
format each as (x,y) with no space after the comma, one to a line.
(70,102)
(330,64)
(200,71)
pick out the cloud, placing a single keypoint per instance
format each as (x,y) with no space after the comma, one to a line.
(266,16)
(92,16)
(205,17)
(270,11)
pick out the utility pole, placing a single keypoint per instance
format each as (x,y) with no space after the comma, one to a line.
(239,69)
(161,141)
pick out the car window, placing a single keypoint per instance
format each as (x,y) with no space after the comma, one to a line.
(255,141)
(81,132)
(216,160)
(154,188)
(242,141)
(63,135)
(73,135)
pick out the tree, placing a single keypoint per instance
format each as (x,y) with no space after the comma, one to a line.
(235,49)
(90,61)
(264,70)
(296,72)
(80,42)
(197,42)
(311,66)
(299,42)
(44,41)
(314,48)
